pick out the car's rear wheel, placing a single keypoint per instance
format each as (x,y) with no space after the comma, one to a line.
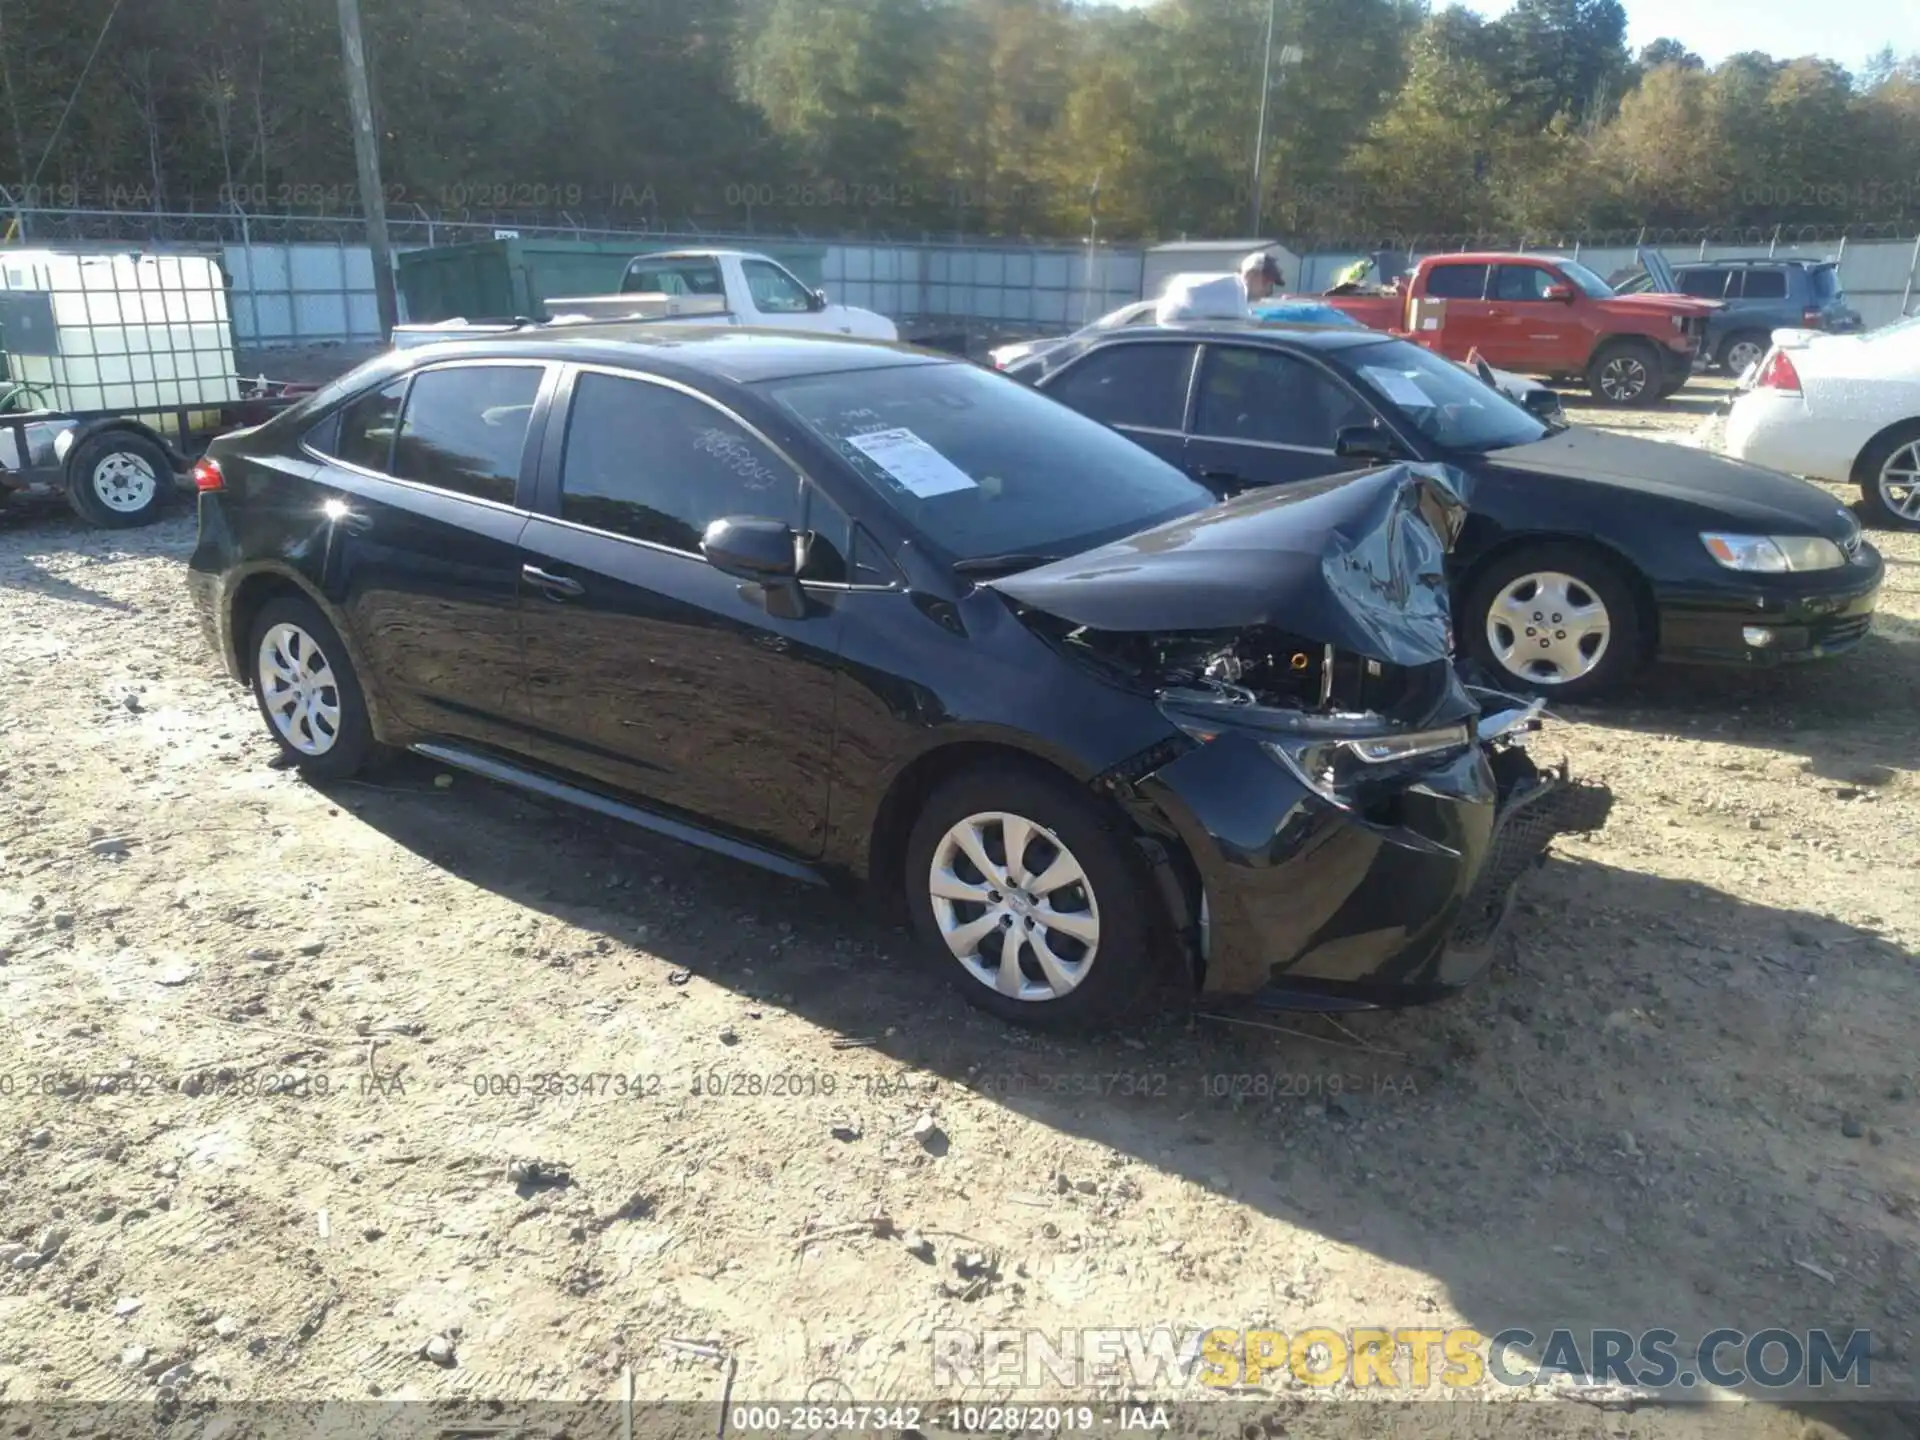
(1029,895)
(119,479)
(1625,372)
(307,691)
(1556,619)
(1739,351)
(1889,475)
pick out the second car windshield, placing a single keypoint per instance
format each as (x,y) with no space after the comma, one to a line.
(1451,406)
(1592,284)
(983,466)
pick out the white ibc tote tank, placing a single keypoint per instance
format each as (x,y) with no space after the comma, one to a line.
(140,335)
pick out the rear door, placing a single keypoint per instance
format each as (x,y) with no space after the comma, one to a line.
(1265,416)
(650,671)
(430,475)
(1471,323)
(1139,387)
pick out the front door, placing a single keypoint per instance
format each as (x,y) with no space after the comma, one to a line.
(424,479)
(1539,335)
(1266,417)
(650,671)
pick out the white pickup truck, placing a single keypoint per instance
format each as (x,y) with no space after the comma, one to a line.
(695,287)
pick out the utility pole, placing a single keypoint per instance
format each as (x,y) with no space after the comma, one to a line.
(366,154)
(1260,135)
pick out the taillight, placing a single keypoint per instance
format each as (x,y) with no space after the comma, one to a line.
(1812,319)
(1778,374)
(207,476)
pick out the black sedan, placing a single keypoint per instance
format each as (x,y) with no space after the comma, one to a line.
(849,610)
(1586,554)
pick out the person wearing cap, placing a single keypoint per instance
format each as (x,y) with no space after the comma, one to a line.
(1260,276)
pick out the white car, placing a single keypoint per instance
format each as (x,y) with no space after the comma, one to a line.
(1842,408)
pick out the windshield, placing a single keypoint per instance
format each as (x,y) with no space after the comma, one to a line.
(983,466)
(1592,284)
(1452,407)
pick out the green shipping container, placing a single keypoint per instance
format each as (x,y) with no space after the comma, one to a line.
(500,279)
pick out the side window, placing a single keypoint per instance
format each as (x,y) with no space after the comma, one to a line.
(839,551)
(1703,284)
(1144,385)
(1264,395)
(774,291)
(1457,282)
(1520,282)
(363,435)
(465,429)
(1765,285)
(653,463)
(673,277)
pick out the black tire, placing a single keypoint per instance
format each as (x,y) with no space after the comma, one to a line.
(1868,469)
(121,463)
(1726,359)
(1125,968)
(350,745)
(1592,573)
(1625,373)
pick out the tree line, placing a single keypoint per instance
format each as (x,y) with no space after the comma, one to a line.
(1385,118)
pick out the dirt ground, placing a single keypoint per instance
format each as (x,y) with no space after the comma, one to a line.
(272,1054)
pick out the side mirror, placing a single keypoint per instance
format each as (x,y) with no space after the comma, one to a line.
(765,553)
(1562,293)
(1544,404)
(1365,442)
(817,301)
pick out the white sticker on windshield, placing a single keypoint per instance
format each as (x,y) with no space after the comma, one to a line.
(1397,387)
(920,469)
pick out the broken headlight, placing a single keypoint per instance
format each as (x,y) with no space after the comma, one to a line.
(1335,756)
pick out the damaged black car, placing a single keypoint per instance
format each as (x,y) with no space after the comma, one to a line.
(850,611)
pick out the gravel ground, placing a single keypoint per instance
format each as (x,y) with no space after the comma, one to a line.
(273,1076)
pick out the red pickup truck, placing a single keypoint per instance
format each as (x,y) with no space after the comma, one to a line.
(1540,315)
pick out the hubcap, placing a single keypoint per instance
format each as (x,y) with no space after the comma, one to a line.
(1014,906)
(1900,482)
(1742,355)
(124,482)
(1623,378)
(298,686)
(1548,628)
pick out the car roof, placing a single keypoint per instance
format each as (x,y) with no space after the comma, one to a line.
(741,354)
(1750,262)
(1300,337)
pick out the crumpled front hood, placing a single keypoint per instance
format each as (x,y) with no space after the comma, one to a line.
(1355,561)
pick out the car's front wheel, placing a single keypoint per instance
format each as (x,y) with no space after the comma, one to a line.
(307,691)
(1030,896)
(1889,476)
(1625,372)
(1556,619)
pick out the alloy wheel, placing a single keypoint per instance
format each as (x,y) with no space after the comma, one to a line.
(1549,628)
(298,689)
(1014,906)
(1900,482)
(1741,356)
(124,482)
(1624,379)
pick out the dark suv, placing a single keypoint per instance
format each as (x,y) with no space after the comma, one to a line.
(1762,296)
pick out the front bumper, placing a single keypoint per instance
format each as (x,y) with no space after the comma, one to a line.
(1309,906)
(1804,617)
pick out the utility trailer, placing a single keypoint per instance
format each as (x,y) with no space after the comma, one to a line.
(119,367)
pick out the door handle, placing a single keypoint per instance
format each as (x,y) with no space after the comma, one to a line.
(555,587)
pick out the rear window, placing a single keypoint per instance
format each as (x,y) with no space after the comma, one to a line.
(1765,285)
(1703,284)
(465,429)
(982,466)
(1143,385)
(1457,282)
